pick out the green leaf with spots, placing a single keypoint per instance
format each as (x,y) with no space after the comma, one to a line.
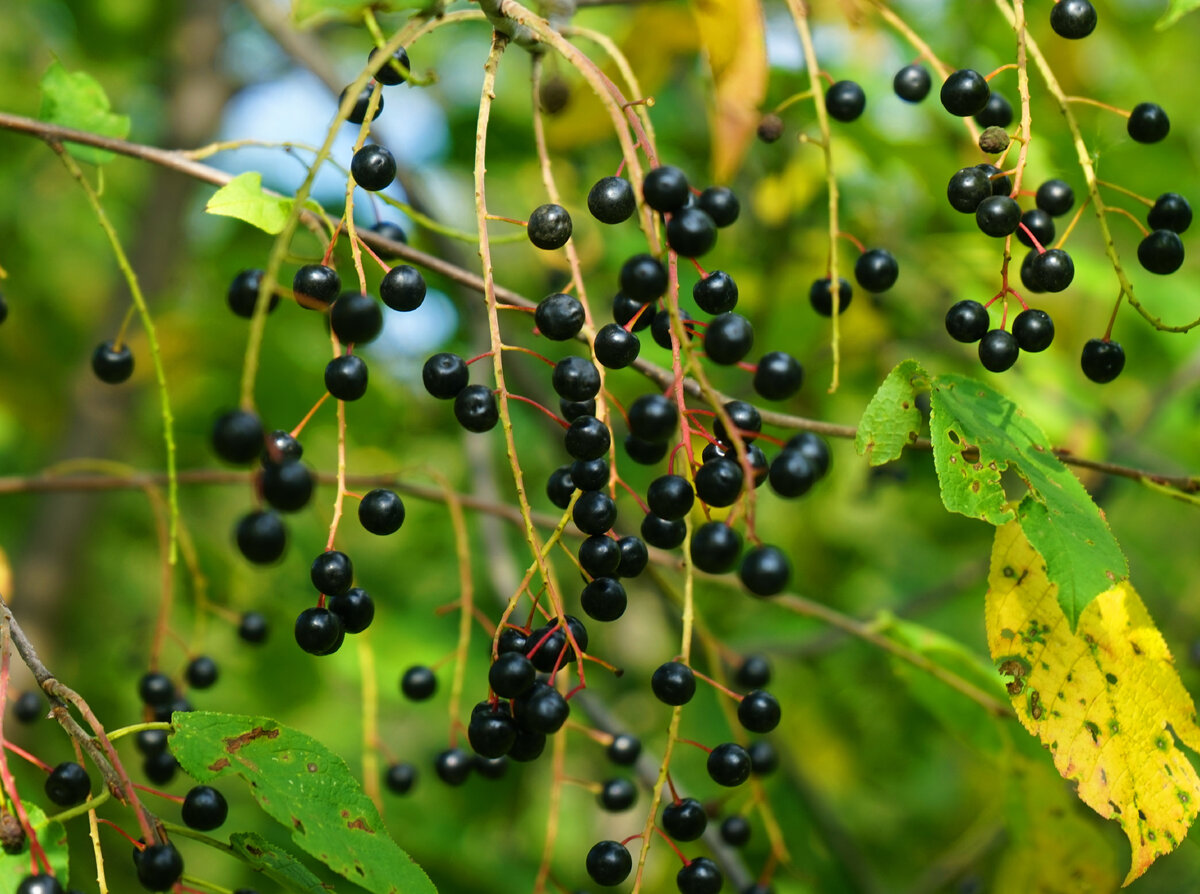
(243,197)
(977,434)
(304,786)
(307,13)
(891,420)
(1176,11)
(53,839)
(276,864)
(76,99)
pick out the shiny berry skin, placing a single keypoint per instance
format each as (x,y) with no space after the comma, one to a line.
(745,418)
(445,375)
(1073,19)
(594,512)
(845,101)
(156,689)
(513,639)
(111,364)
(542,709)
(604,599)
(491,767)
(591,474)
(634,556)
(402,288)
(358,111)
(587,438)
(1148,123)
(821,300)
(1161,252)
(662,533)
(68,784)
(160,768)
(599,556)
(28,707)
(1052,270)
(998,350)
(476,409)
(559,317)
(549,227)
(355,607)
(332,572)
(735,830)
(159,866)
(765,570)
(1033,329)
(242,294)
(261,537)
(660,328)
(670,497)
(287,486)
(418,683)
(646,453)
(778,376)
(721,204)
(617,795)
(316,285)
(691,232)
(998,112)
(319,631)
(551,642)
(1001,185)
(202,672)
(373,167)
(719,482)
(388,74)
(813,448)
(1055,197)
(355,318)
(1171,211)
(754,672)
(253,628)
(876,270)
(653,417)
(491,732)
(616,347)
(965,93)
(1040,224)
(967,188)
(715,547)
(609,863)
(560,487)
(624,749)
(700,876)
(611,200)
(346,377)
(912,83)
(729,764)
(665,189)
(967,321)
(674,683)
(393,232)
(626,309)
(717,293)
(1102,361)
(40,884)
(728,338)
(453,766)
(381,511)
(204,808)
(685,820)
(570,410)
(998,215)
(792,474)
(758,711)
(528,746)
(643,277)
(1029,276)
(237,436)
(400,777)
(511,674)
(764,760)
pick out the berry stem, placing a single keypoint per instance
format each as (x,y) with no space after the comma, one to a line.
(1088,101)
(853,240)
(720,687)
(667,838)
(1032,238)
(791,100)
(33,759)
(1026,126)
(534,403)
(529,351)
(1074,221)
(1137,223)
(309,415)
(1002,68)
(340,496)
(1149,203)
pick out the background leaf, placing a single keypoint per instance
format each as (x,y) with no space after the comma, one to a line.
(304,786)
(276,863)
(243,198)
(306,13)
(52,838)
(891,420)
(1176,11)
(1105,700)
(76,99)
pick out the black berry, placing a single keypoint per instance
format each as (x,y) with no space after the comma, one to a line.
(753,673)
(1052,270)
(476,409)
(358,111)
(453,766)
(604,599)
(594,512)
(390,74)
(261,537)
(643,277)
(719,482)
(400,777)
(511,674)
(967,321)
(876,270)
(445,375)
(998,112)
(381,511)
(159,866)
(845,100)
(717,293)
(758,711)
(634,556)
(611,200)
(665,189)
(685,820)
(967,188)
(653,417)
(662,533)
(346,377)
(253,628)
(998,350)
(615,346)
(68,784)
(1171,211)
(1040,226)
(204,808)
(319,631)
(912,83)
(998,215)
(965,93)
(287,486)
(332,572)
(735,830)
(402,288)
(111,364)
(355,608)
(1102,360)
(373,167)
(729,764)
(609,863)
(1073,19)
(559,316)
(201,672)
(674,683)
(715,547)
(721,204)
(728,338)
(549,227)
(617,795)
(1055,197)
(765,570)
(237,436)
(1148,123)
(418,683)
(1161,252)
(1033,329)
(624,749)
(778,376)
(700,876)
(821,300)
(242,294)
(670,497)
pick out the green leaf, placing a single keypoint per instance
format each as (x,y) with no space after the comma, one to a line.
(304,786)
(276,863)
(891,420)
(243,197)
(306,13)
(53,839)
(1058,516)
(76,99)
(1176,11)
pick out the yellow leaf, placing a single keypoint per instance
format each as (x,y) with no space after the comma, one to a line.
(1105,700)
(731,32)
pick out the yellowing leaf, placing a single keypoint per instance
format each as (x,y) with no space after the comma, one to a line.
(731,32)
(1105,700)
(243,198)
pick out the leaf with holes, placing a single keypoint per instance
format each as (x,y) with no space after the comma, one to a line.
(76,99)
(1105,699)
(891,420)
(977,434)
(304,786)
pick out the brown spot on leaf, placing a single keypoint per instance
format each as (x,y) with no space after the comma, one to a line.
(219,765)
(1035,705)
(233,743)
(1008,571)
(1093,729)
(1112,678)
(1137,650)
(361,825)
(297,825)
(312,768)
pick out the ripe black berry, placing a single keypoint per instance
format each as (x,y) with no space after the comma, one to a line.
(754,672)
(691,232)
(445,375)
(40,884)
(617,794)
(476,409)
(587,438)
(729,764)
(155,689)
(452,766)
(728,338)
(912,83)
(998,112)
(358,111)
(715,547)
(1161,252)
(491,731)
(528,746)
(204,808)
(665,189)
(513,639)
(792,474)
(159,866)
(967,188)
(242,294)
(287,486)
(201,672)
(346,377)
(492,767)
(624,749)
(355,318)
(1171,211)
(778,376)
(609,863)
(643,277)
(735,830)
(967,321)
(261,537)
(822,301)
(551,642)
(646,453)
(660,328)
(721,204)
(399,777)
(319,631)
(599,556)
(763,758)
(813,448)
(594,512)
(1001,185)
(615,346)
(151,741)
(542,708)
(765,570)
(626,309)
(700,876)
(591,474)
(28,707)
(570,410)
(876,270)
(758,711)
(316,285)
(1033,329)
(511,674)
(68,784)
(373,167)
(559,316)
(253,627)
(1039,224)
(418,683)
(381,511)
(393,232)
(611,200)
(1029,277)
(111,364)
(549,227)
(604,599)
(237,436)
(160,768)
(1102,360)
(332,572)
(388,73)
(1073,19)
(1052,270)
(674,683)
(1055,197)
(845,100)
(1148,123)
(998,350)
(719,482)
(717,293)
(634,556)
(662,533)
(402,288)
(653,417)
(998,215)
(965,93)
(685,820)
(355,607)
(670,496)
(575,378)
